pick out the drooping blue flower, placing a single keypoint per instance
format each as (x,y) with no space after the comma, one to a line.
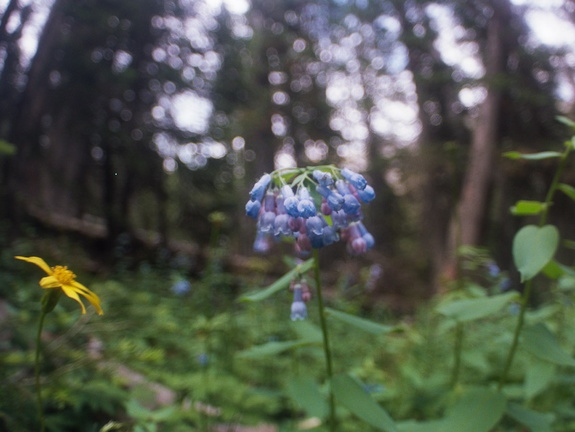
(350,203)
(298,307)
(357,180)
(257,192)
(367,194)
(333,198)
(253,208)
(262,243)
(305,206)
(366,235)
(290,201)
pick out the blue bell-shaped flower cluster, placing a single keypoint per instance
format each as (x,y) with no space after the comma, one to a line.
(314,206)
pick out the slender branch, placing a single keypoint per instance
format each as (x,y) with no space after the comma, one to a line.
(326,346)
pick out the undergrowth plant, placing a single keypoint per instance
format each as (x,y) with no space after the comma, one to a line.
(175,350)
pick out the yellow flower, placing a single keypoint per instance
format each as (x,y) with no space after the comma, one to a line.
(64,279)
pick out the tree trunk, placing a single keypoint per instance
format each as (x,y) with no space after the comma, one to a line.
(466,228)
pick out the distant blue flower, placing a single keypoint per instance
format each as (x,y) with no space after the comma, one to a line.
(298,307)
(493,269)
(203,359)
(181,287)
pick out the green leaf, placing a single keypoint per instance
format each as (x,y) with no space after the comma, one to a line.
(278,285)
(304,391)
(274,348)
(540,342)
(535,421)
(567,190)
(525,208)
(479,410)
(533,248)
(532,156)
(473,309)
(349,393)
(538,376)
(7,148)
(566,121)
(360,323)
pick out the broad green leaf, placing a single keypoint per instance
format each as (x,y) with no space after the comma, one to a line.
(538,376)
(349,393)
(472,309)
(278,285)
(540,342)
(360,323)
(304,391)
(533,248)
(306,330)
(553,270)
(525,208)
(479,410)
(567,190)
(274,348)
(429,426)
(535,421)
(532,156)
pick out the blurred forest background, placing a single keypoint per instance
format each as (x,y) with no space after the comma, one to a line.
(125,125)
(132,131)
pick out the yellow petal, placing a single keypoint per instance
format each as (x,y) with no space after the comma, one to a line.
(70,292)
(90,296)
(38,261)
(50,282)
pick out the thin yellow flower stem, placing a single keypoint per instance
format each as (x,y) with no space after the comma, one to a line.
(37,371)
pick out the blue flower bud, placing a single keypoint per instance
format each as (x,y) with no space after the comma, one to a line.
(350,204)
(257,192)
(367,194)
(298,307)
(253,209)
(305,206)
(323,178)
(357,180)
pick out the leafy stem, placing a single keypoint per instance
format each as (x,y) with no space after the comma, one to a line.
(529,283)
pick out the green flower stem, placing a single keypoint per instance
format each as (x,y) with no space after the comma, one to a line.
(326,347)
(527,291)
(516,334)
(37,371)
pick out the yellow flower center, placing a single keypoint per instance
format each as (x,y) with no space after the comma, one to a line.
(63,275)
